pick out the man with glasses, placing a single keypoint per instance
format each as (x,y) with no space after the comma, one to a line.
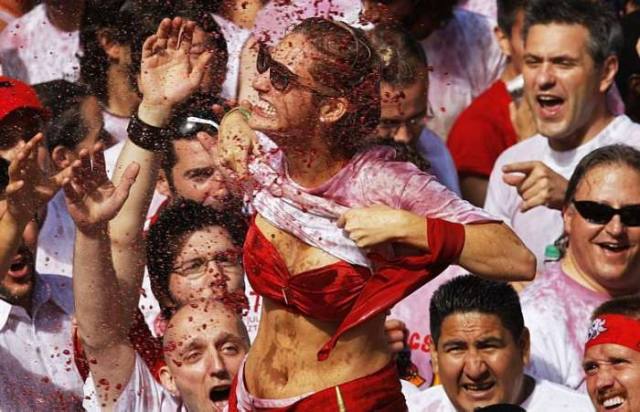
(405,110)
(601,260)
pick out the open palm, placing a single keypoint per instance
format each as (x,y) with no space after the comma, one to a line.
(167,75)
(91,198)
(29,186)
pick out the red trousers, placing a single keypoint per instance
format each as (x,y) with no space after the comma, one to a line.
(379,392)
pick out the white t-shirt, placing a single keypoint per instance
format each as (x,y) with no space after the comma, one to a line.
(557,311)
(35,51)
(465,59)
(37,369)
(541,226)
(116,126)
(487,8)
(546,397)
(56,239)
(142,394)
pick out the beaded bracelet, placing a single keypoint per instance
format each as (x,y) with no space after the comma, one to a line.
(146,136)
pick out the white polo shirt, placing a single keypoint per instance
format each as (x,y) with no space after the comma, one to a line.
(142,394)
(37,370)
(546,397)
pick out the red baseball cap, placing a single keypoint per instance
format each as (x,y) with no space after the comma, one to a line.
(15,95)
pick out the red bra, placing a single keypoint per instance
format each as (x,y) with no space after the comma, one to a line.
(325,293)
(344,292)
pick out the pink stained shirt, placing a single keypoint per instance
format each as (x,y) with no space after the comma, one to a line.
(370,178)
(557,311)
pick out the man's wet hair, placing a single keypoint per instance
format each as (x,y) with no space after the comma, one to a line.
(59,95)
(166,237)
(615,154)
(69,128)
(125,22)
(440,11)
(605,32)
(628,306)
(402,57)
(507,12)
(471,294)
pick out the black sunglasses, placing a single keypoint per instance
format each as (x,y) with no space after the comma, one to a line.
(281,77)
(601,214)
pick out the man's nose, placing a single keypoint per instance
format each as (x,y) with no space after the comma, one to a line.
(402,135)
(475,367)
(545,77)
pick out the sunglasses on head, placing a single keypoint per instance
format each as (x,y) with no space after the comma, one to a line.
(601,214)
(192,125)
(281,77)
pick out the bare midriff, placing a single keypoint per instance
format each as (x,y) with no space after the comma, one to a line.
(282,362)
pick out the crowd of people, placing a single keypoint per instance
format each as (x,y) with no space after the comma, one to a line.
(320,205)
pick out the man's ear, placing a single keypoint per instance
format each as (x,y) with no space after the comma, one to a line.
(62,157)
(503,41)
(525,346)
(568,214)
(111,48)
(609,70)
(333,109)
(433,349)
(167,381)
(162,184)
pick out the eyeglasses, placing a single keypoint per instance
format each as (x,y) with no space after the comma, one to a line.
(281,77)
(225,262)
(601,214)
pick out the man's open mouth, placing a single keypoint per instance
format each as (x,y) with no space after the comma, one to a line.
(220,393)
(613,402)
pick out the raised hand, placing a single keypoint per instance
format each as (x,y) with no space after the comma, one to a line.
(29,187)
(167,76)
(235,143)
(92,200)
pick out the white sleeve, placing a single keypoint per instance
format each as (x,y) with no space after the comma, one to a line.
(499,201)
(142,394)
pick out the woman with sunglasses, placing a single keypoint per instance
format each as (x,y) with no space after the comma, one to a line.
(321,342)
(601,260)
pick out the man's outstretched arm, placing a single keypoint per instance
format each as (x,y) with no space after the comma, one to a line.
(92,200)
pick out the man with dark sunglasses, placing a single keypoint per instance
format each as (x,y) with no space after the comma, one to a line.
(601,260)
(570,59)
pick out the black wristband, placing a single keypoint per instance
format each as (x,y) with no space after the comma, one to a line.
(146,136)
